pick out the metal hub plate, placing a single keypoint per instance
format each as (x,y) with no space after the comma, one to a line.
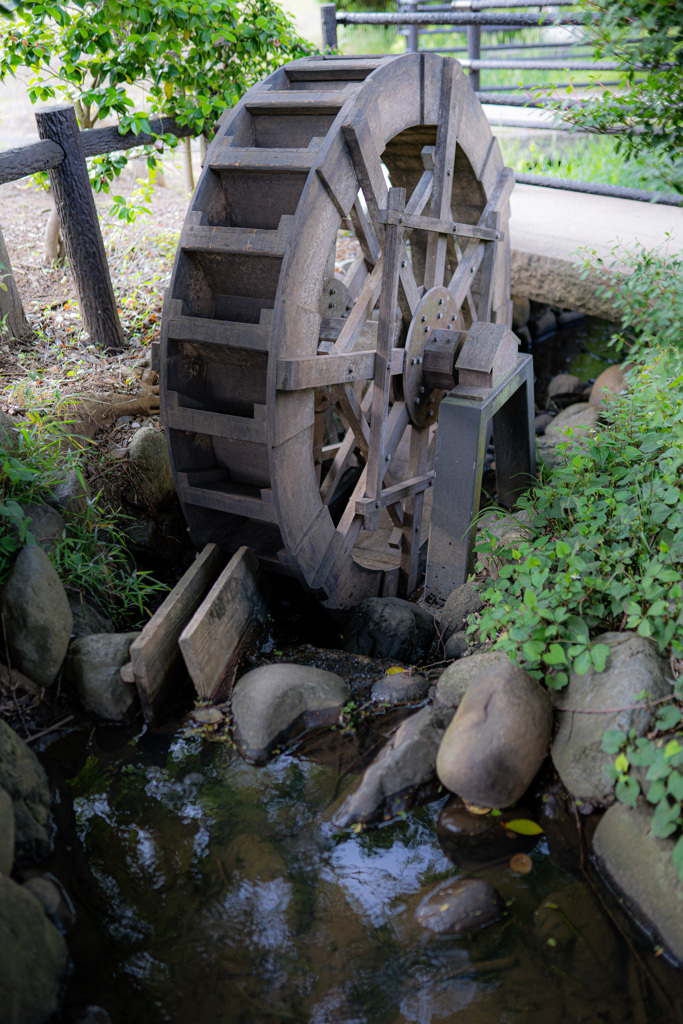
(436,311)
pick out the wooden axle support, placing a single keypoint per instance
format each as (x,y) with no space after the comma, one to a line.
(466,417)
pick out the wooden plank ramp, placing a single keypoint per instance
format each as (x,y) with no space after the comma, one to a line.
(157,665)
(233,611)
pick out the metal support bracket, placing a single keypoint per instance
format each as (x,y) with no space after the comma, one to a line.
(465,418)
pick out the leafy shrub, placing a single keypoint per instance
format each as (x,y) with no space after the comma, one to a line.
(92,556)
(650,307)
(606,550)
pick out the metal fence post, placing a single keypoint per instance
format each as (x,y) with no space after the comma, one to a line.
(80,228)
(412,31)
(474,52)
(328,16)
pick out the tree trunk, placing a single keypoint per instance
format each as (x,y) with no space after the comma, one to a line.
(54,243)
(13,320)
(187,166)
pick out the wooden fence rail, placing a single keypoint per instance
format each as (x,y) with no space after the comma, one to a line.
(62,151)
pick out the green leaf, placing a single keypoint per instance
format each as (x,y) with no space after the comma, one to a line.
(664,820)
(675,786)
(577,629)
(678,856)
(599,655)
(523,827)
(613,740)
(555,655)
(627,790)
(583,662)
(668,718)
(533,649)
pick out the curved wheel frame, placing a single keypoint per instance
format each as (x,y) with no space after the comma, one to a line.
(252,370)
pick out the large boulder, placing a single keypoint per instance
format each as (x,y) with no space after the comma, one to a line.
(497,739)
(641,869)
(88,616)
(38,619)
(611,381)
(149,458)
(274,704)
(389,627)
(565,385)
(94,664)
(462,602)
(402,768)
(466,905)
(23,777)
(70,495)
(633,666)
(454,681)
(9,433)
(6,832)
(581,417)
(33,958)
(46,525)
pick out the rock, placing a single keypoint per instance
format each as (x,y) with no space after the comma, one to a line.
(507,530)
(70,495)
(54,901)
(464,601)
(88,617)
(24,779)
(403,766)
(543,325)
(93,1015)
(400,688)
(359,672)
(613,380)
(456,646)
(541,422)
(93,665)
(475,839)
(497,739)
(581,417)
(633,666)
(569,318)
(524,338)
(46,525)
(6,832)
(148,456)
(641,869)
(454,681)
(9,434)
(576,937)
(546,449)
(388,627)
(157,544)
(274,704)
(563,385)
(521,312)
(33,958)
(38,619)
(455,908)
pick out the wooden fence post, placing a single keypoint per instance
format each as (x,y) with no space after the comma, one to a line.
(12,317)
(328,16)
(81,228)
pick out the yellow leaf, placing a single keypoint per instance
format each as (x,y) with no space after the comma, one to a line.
(523,827)
(476,809)
(621,763)
(395,670)
(168,90)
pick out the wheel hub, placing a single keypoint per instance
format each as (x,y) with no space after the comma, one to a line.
(437,311)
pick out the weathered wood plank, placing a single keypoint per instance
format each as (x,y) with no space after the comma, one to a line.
(296,101)
(157,663)
(214,639)
(217,424)
(38,156)
(445,227)
(327,370)
(236,241)
(397,492)
(286,161)
(226,497)
(254,337)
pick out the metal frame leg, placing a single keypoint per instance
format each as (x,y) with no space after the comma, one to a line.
(514,443)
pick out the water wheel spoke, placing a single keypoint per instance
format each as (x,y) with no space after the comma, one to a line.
(366,234)
(450,111)
(344,453)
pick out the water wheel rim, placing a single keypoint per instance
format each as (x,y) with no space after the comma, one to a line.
(401,95)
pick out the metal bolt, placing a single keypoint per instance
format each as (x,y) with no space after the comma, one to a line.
(422,391)
(427,329)
(430,414)
(417,401)
(413,361)
(431,400)
(330,305)
(439,315)
(448,173)
(348,308)
(387,458)
(441,302)
(350,370)
(400,220)
(404,263)
(453,317)
(333,291)
(419,359)
(423,318)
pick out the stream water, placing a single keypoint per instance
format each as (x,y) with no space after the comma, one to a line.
(209,891)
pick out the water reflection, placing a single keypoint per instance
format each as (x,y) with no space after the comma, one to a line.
(227,897)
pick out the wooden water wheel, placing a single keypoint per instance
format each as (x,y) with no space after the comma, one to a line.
(297,410)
